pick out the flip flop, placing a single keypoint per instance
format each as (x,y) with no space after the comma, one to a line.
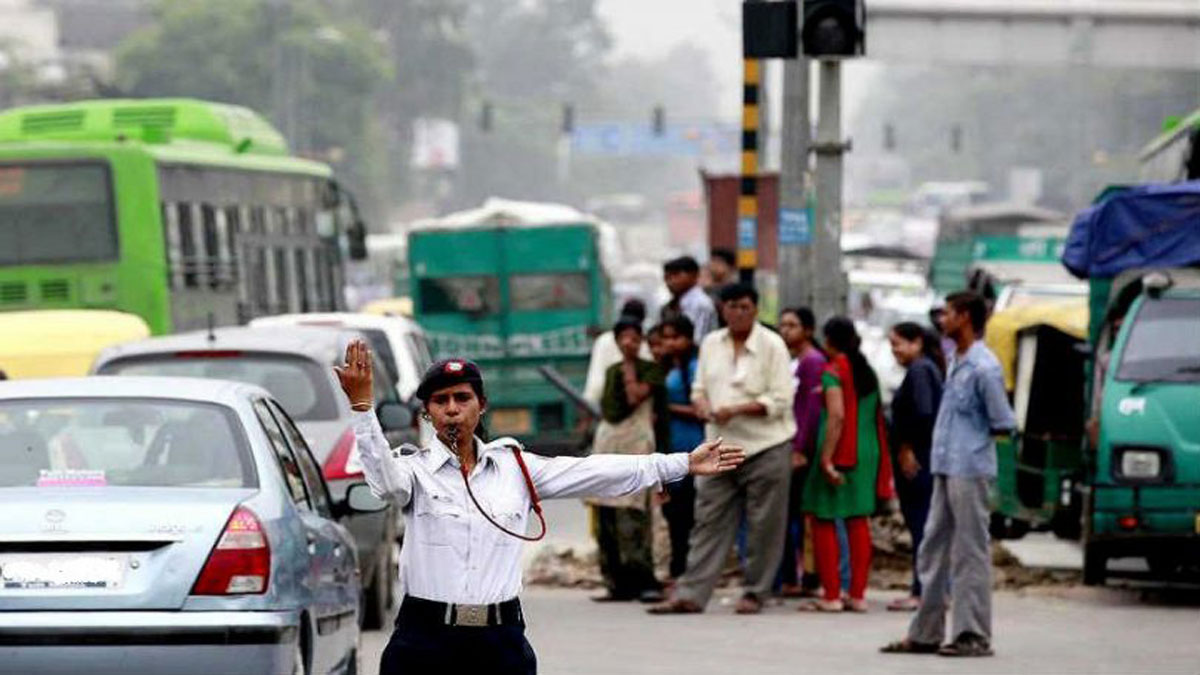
(823,606)
(675,607)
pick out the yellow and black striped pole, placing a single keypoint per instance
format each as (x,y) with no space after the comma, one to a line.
(747,226)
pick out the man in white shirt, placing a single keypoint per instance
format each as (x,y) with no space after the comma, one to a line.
(744,388)
(466,504)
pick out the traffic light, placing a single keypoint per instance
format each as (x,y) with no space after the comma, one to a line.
(659,123)
(769,30)
(833,28)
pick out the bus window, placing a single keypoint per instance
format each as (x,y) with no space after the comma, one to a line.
(301,257)
(187,244)
(261,286)
(56,213)
(473,295)
(210,257)
(170,223)
(533,292)
(283,286)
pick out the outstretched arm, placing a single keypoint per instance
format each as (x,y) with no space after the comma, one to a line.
(388,474)
(616,475)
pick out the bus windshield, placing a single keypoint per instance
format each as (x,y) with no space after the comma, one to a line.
(56,213)
(1164,342)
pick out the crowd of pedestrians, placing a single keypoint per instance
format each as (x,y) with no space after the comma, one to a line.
(823,455)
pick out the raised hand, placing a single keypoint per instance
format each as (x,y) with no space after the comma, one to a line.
(713,457)
(355,376)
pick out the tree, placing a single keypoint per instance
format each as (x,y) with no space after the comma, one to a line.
(313,75)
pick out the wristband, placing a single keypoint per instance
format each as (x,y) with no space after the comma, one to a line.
(354,405)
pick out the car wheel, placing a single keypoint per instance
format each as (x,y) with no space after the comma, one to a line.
(379,593)
(299,667)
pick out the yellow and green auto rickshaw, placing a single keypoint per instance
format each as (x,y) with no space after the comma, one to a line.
(1040,467)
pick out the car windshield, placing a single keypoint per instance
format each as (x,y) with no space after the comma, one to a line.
(121,442)
(299,384)
(1164,342)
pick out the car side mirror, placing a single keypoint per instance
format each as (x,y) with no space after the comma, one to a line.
(394,416)
(360,499)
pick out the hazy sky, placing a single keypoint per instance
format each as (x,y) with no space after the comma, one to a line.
(652,27)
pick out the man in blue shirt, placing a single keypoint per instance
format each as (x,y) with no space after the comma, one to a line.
(955,555)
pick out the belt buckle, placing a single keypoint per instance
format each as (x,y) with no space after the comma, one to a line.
(471,615)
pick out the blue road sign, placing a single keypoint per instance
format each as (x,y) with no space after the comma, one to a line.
(795,227)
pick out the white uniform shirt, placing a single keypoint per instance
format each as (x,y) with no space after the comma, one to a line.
(451,553)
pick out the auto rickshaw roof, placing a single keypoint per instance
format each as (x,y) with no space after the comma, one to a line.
(1004,327)
(62,342)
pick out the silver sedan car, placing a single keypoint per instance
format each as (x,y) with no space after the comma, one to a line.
(168,525)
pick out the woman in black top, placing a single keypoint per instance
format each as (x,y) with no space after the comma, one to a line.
(914,411)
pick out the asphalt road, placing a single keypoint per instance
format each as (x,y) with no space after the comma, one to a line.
(1038,630)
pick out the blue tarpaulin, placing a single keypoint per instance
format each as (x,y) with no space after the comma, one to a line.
(1141,227)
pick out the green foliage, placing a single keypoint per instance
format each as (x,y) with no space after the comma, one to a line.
(315,73)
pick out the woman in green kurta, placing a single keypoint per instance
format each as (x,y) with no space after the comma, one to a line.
(853,467)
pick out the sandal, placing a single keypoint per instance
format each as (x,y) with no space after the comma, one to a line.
(857,606)
(749,604)
(967,645)
(907,646)
(822,606)
(675,607)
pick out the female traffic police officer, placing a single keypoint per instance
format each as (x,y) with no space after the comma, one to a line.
(465,504)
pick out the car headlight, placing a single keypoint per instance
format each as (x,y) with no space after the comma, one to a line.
(1141,464)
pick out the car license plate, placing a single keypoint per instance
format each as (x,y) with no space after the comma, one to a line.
(62,571)
(510,421)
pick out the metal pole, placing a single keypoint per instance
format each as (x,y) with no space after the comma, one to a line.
(795,250)
(747,225)
(829,291)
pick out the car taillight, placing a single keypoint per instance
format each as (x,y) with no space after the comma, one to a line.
(240,564)
(344,461)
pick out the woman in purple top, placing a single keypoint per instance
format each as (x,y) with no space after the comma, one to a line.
(797,326)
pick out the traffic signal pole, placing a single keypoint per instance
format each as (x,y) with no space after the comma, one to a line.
(747,225)
(830,287)
(796,275)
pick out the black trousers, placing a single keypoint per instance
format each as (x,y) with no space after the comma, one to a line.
(680,512)
(421,647)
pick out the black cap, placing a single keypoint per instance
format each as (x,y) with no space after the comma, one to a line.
(447,373)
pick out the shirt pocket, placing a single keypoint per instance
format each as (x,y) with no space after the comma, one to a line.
(439,519)
(962,394)
(509,513)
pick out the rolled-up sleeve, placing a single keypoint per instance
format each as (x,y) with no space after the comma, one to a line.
(604,475)
(387,471)
(781,390)
(991,390)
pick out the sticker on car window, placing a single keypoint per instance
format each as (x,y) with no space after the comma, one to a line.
(72,478)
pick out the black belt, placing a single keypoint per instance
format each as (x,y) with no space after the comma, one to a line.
(448,614)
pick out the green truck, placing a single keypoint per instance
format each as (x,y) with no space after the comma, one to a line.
(1140,251)
(513,287)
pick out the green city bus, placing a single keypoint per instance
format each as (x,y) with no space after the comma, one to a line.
(183,212)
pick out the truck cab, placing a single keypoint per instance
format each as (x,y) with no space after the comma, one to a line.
(1144,497)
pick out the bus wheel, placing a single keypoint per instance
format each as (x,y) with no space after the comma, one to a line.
(1095,566)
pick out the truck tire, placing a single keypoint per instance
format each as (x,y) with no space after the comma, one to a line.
(1007,527)
(1095,566)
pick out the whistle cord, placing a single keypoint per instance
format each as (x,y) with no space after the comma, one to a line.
(534,500)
